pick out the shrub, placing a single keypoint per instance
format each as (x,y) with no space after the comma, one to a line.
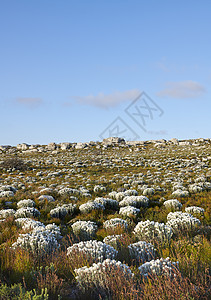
(194,210)
(14,163)
(115,223)
(39,242)
(61,211)
(107,203)
(182,222)
(84,229)
(172,204)
(141,251)
(97,250)
(129,211)
(90,206)
(136,201)
(27,212)
(16,291)
(150,230)
(113,240)
(159,267)
(26,203)
(4,213)
(98,275)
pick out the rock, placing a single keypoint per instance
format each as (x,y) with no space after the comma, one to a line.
(3,148)
(51,146)
(22,146)
(65,146)
(30,151)
(174,141)
(80,145)
(113,140)
(161,141)
(135,143)
(184,143)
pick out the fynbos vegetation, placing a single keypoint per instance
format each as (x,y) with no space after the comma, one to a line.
(110,220)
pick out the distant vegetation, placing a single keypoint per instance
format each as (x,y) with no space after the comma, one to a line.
(13,163)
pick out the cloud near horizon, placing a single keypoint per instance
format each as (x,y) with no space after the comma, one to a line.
(105,101)
(182,89)
(29,102)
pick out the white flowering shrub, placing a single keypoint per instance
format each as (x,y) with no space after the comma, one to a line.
(61,211)
(98,274)
(177,186)
(7,191)
(107,203)
(33,226)
(136,201)
(29,224)
(85,229)
(40,239)
(207,185)
(53,228)
(58,212)
(141,251)
(173,204)
(148,191)
(68,192)
(90,206)
(4,213)
(150,230)
(113,240)
(200,179)
(129,211)
(112,195)
(121,195)
(38,242)
(84,190)
(46,198)
(142,187)
(195,210)
(27,212)
(45,190)
(115,223)
(26,203)
(179,193)
(182,222)
(4,188)
(6,194)
(177,215)
(97,250)
(194,188)
(99,188)
(132,192)
(159,267)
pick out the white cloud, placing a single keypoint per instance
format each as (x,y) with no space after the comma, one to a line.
(182,89)
(29,102)
(110,100)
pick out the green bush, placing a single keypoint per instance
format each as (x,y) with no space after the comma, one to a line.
(17,292)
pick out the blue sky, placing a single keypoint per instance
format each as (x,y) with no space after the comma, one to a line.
(69,69)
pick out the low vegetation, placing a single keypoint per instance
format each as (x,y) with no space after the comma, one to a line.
(110,220)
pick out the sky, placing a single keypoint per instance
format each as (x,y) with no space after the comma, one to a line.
(80,71)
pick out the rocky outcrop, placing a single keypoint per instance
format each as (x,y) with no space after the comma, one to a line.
(113,140)
(23,146)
